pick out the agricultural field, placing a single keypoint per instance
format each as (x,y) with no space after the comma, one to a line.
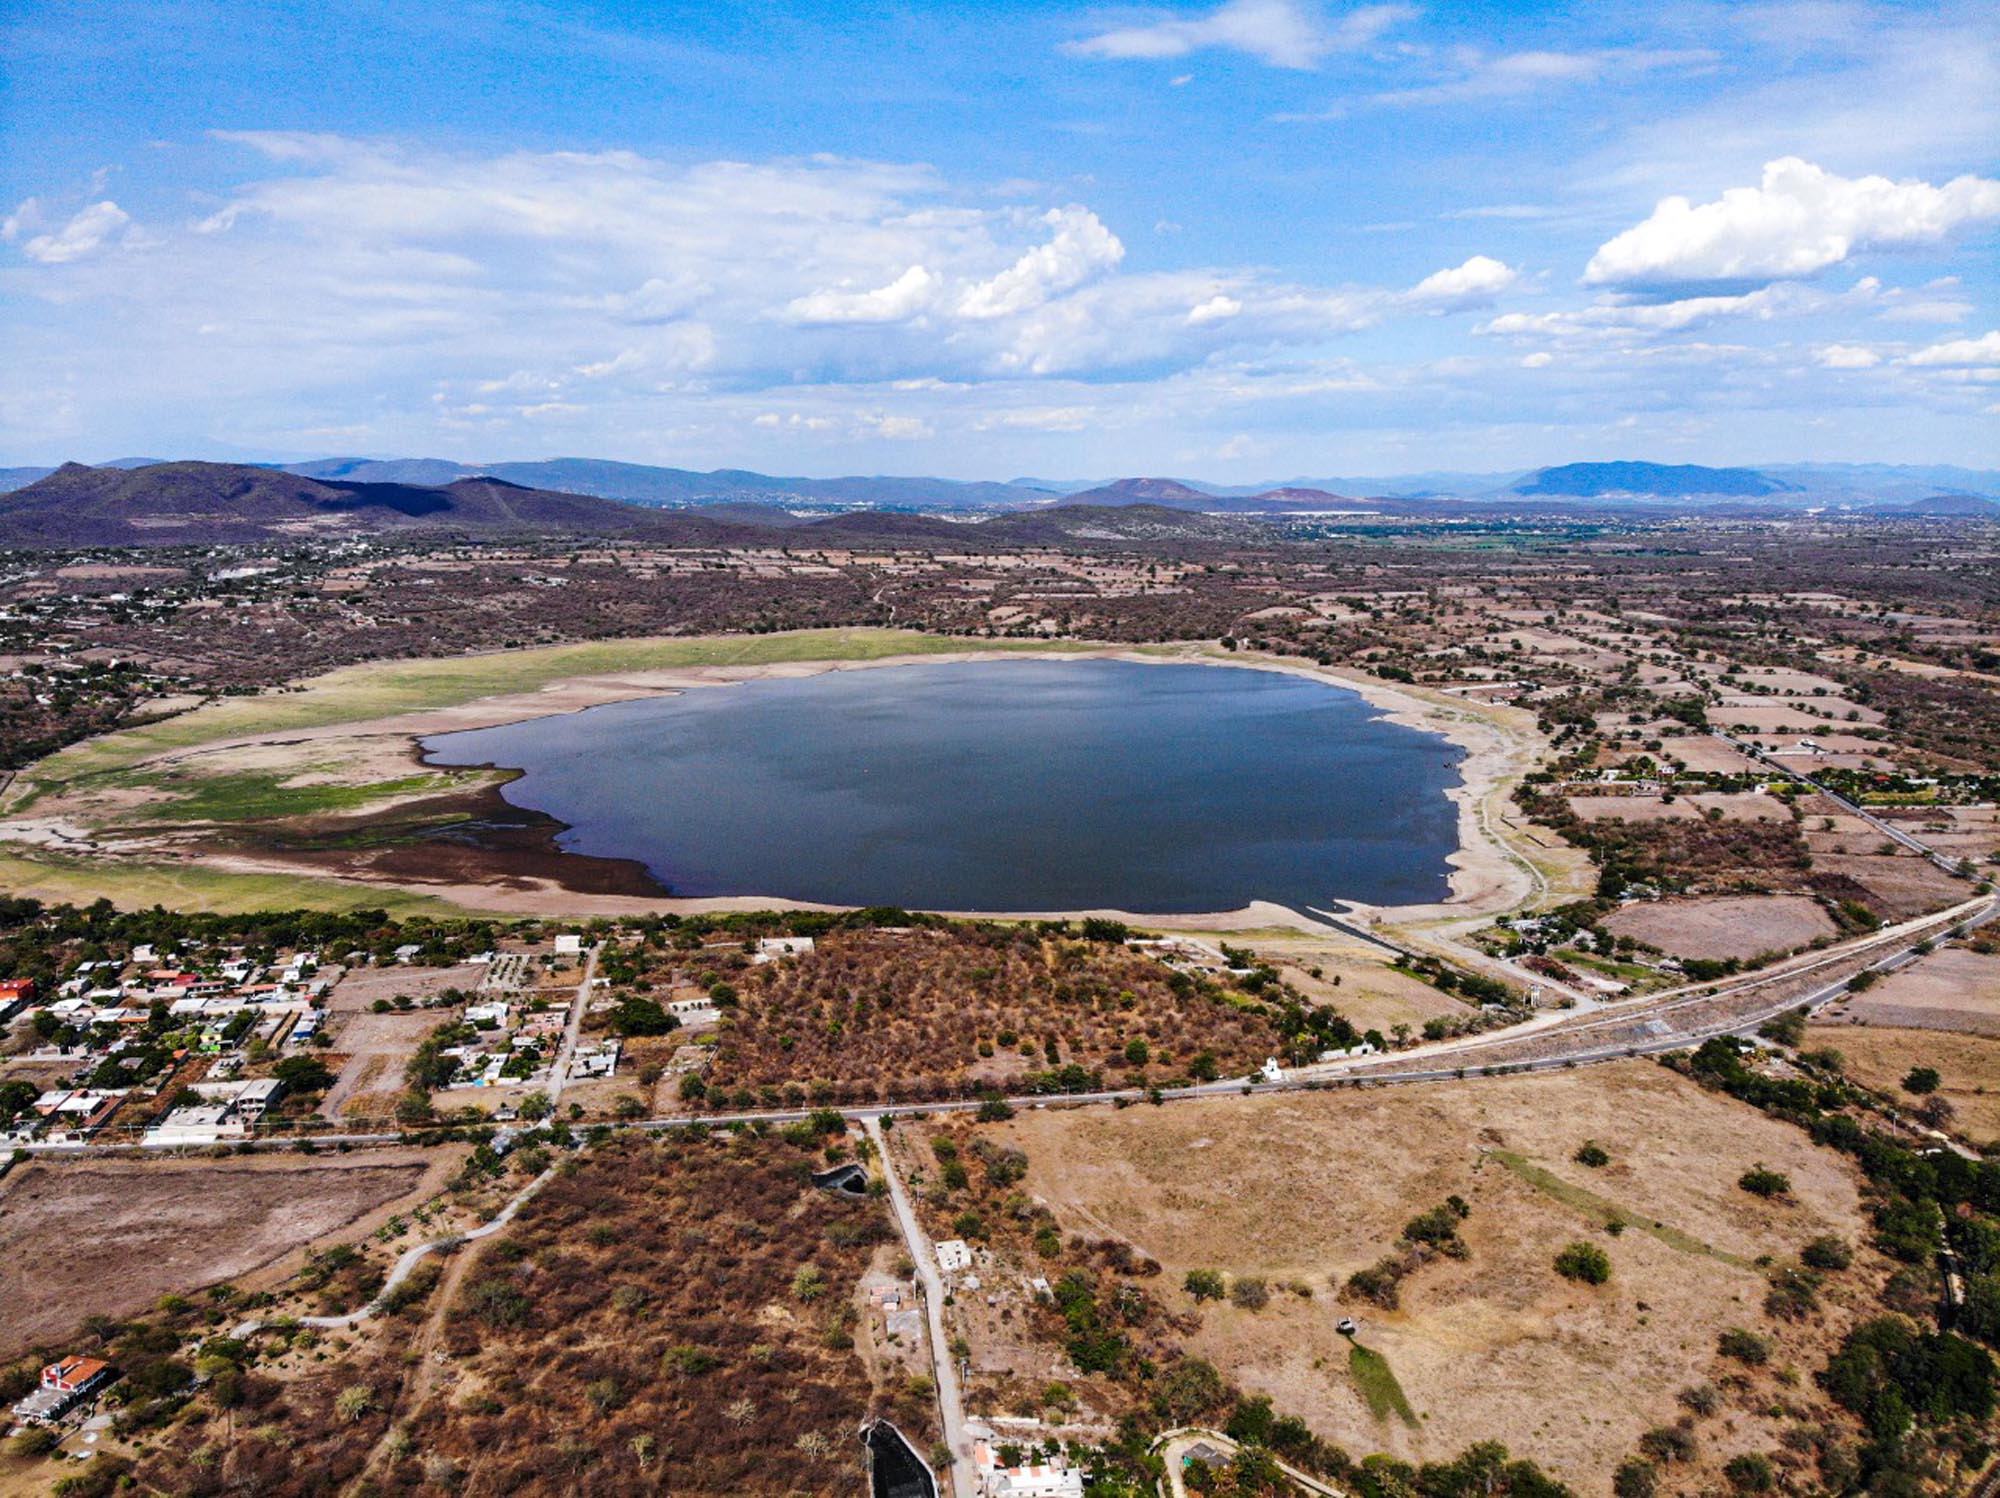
(107,1238)
(1297,1193)
(1741,926)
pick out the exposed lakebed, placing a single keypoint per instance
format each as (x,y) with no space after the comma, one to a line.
(999,786)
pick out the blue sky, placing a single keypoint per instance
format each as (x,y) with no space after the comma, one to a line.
(1255,239)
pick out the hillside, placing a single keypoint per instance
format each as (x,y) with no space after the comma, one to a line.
(179,504)
(1661,480)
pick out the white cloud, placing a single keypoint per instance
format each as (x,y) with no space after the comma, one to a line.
(77,238)
(1960,352)
(1541,360)
(1797,222)
(1041,419)
(1081,247)
(906,296)
(1609,319)
(1215,309)
(1847,356)
(898,428)
(1283,33)
(1479,279)
(1517,74)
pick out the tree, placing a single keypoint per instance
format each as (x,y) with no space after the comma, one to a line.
(1922,1080)
(354,1401)
(1584,1262)
(642,1016)
(1593,1154)
(1187,1391)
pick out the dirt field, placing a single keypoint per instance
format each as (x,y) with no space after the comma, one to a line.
(1882,1057)
(107,1238)
(1953,989)
(1311,1187)
(1902,886)
(1731,926)
(1357,981)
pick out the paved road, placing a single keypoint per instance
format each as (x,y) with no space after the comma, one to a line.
(1446,1061)
(951,1403)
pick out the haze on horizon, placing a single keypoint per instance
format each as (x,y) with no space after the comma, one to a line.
(1237,240)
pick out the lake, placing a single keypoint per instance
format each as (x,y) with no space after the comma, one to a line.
(999,786)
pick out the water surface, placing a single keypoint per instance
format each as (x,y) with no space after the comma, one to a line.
(999,785)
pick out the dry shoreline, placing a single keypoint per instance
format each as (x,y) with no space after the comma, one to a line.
(1485,877)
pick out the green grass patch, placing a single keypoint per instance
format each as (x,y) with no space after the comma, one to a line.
(261,796)
(1376,1380)
(1624,972)
(57,878)
(1603,1210)
(382,689)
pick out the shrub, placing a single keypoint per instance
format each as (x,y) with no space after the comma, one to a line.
(1637,1478)
(1204,1284)
(1750,1473)
(1922,1080)
(1592,1154)
(1584,1262)
(1669,1443)
(1744,1346)
(1249,1292)
(1759,1181)
(1827,1253)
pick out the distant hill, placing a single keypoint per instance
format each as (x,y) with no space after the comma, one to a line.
(1660,480)
(645,484)
(180,504)
(1173,494)
(1953,505)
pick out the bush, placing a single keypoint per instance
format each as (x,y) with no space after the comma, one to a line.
(1759,1181)
(1637,1478)
(1669,1443)
(1249,1293)
(1922,1080)
(1584,1262)
(1592,1154)
(1204,1284)
(1750,1473)
(1827,1253)
(1744,1346)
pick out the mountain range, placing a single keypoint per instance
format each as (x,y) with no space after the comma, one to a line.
(138,502)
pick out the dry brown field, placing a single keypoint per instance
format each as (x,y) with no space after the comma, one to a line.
(1881,1056)
(1728,926)
(1900,885)
(108,1238)
(1309,1187)
(1955,988)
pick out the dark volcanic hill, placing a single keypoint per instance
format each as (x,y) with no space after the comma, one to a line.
(1662,480)
(194,504)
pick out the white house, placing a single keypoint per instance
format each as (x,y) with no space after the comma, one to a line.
(954,1254)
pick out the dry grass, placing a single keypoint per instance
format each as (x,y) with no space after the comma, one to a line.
(1880,1057)
(1310,1187)
(104,1238)
(1729,926)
